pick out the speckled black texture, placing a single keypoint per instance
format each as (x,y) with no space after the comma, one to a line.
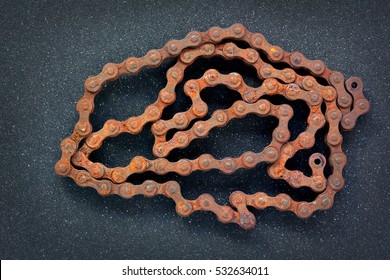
(48,49)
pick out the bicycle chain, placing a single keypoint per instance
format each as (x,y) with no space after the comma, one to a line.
(342,109)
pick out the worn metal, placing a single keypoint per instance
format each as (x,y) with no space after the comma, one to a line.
(344,103)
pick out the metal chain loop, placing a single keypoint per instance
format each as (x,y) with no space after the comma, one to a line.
(344,102)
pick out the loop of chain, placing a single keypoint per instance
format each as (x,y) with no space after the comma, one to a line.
(344,102)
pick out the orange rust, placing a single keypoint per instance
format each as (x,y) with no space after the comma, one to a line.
(339,97)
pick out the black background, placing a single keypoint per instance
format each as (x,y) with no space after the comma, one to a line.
(48,49)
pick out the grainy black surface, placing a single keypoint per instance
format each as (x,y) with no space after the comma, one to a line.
(48,49)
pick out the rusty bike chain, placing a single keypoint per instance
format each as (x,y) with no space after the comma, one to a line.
(344,103)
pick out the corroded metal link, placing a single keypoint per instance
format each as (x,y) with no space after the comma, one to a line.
(339,97)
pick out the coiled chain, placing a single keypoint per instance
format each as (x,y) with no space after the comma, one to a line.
(344,103)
